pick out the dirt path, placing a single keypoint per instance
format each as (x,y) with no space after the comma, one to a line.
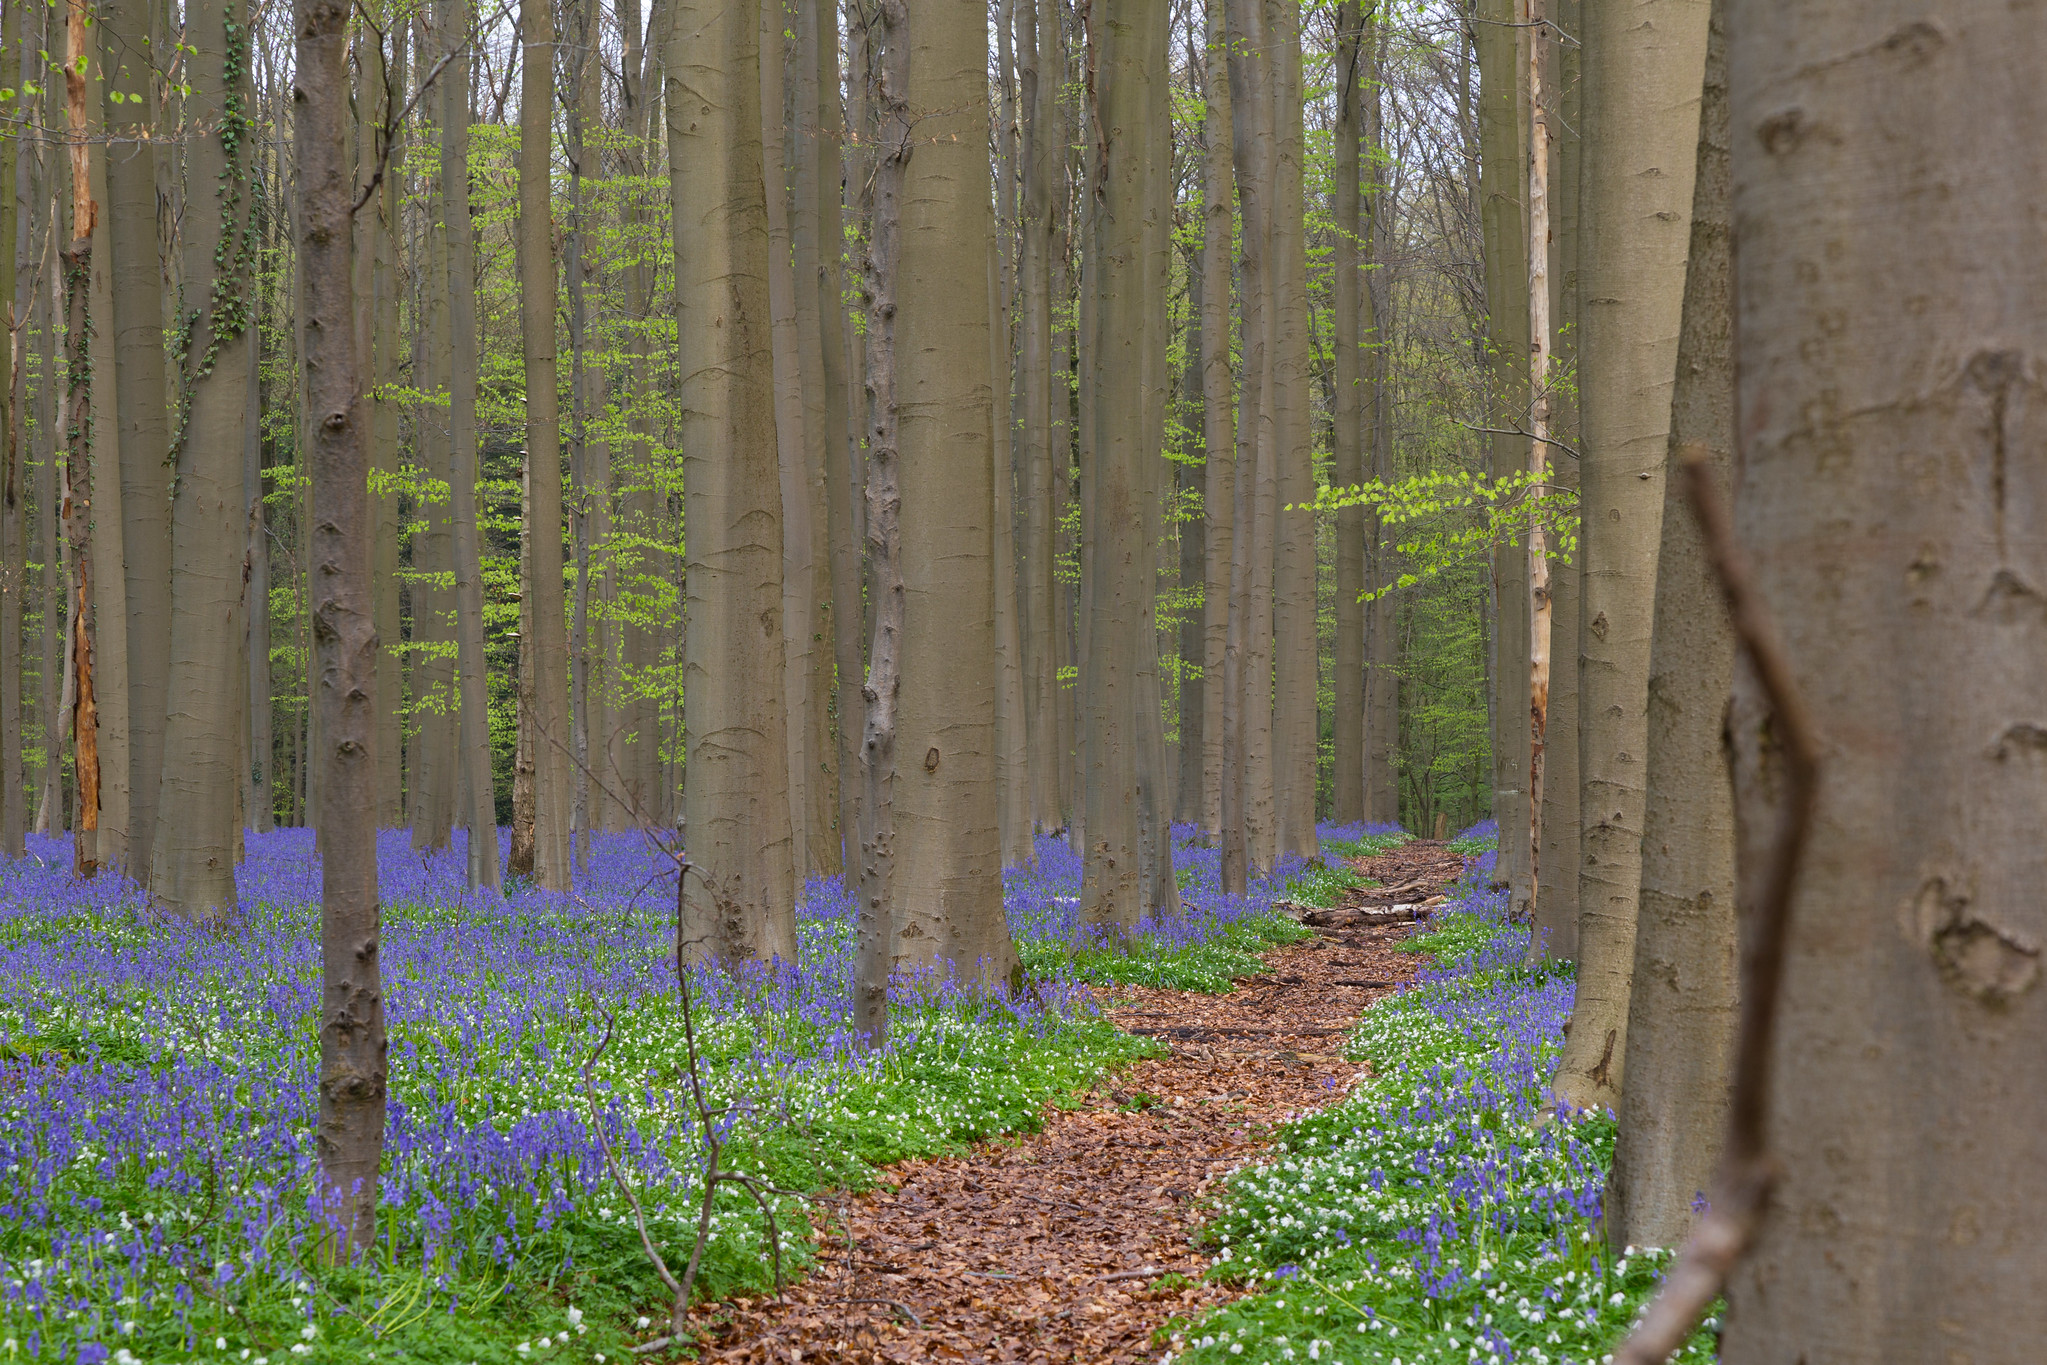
(1046,1247)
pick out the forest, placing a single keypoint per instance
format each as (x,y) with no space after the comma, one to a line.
(1020,681)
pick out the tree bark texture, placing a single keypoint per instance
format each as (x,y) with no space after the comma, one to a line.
(140,401)
(1218,406)
(741,901)
(1885,392)
(202,734)
(1681,1011)
(475,791)
(1643,69)
(350,1135)
(1349,432)
(554,774)
(947,888)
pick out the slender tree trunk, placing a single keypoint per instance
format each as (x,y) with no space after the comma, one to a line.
(381,360)
(741,901)
(108,676)
(350,1136)
(875,926)
(56,641)
(143,422)
(1643,72)
(472,697)
(554,775)
(259,808)
(1189,481)
(1218,409)
(1295,729)
(434,775)
(78,265)
(194,868)
(1535,37)
(13,491)
(519,855)
(1503,143)
(1012,746)
(1382,638)
(1681,1014)
(1556,894)
(1348,431)
(947,887)
(1885,394)
(821,370)
(1129,187)
(791,438)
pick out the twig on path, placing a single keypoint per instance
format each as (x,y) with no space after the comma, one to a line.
(1143,1272)
(1747,1170)
(902,1308)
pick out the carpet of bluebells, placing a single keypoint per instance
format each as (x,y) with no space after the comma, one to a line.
(157,1098)
(1429,1218)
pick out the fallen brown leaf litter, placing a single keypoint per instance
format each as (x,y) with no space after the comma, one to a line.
(1071,1244)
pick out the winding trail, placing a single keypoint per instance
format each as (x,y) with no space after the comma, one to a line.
(1071,1244)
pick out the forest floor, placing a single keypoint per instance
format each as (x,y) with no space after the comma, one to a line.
(1077,1242)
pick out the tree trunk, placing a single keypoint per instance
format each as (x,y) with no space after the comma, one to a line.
(350,1136)
(554,775)
(1535,41)
(140,401)
(741,902)
(259,801)
(1218,414)
(78,457)
(821,369)
(1012,747)
(434,773)
(1348,430)
(1127,846)
(947,888)
(382,362)
(791,439)
(56,633)
(1295,727)
(1556,894)
(472,697)
(13,492)
(1643,71)
(875,927)
(1188,482)
(1885,392)
(1681,1014)
(1382,639)
(194,869)
(1503,120)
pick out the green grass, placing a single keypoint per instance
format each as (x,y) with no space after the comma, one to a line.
(1211,967)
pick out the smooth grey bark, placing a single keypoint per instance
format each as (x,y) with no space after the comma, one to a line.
(433,774)
(1190,532)
(381,363)
(474,789)
(13,500)
(1888,413)
(56,652)
(193,872)
(1643,70)
(1218,408)
(1555,923)
(946,893)
(1681,1012)
(1349,429)
(741,901)
(1127,870)
(554,775)
(1503,193)
(142,405)
(1382,625)
(259,809)
(350,1133)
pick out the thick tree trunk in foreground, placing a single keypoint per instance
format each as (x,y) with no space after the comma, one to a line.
(143,420)
(202,737)
(1681,1012)
(947,890)
(1643,71)
(350,1136)
(476,796)
(554,774)
(740,902)
(1885,394)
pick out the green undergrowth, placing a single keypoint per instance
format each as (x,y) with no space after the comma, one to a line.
(1426,1219)
(1211,966)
